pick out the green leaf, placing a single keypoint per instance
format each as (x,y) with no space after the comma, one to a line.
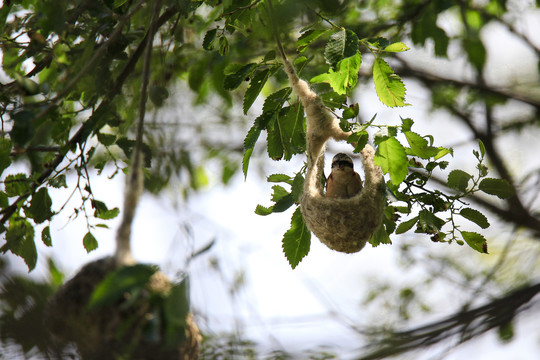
(125,279)
(158,95)
(16,185)
(20,241)
(5,151)
(458,180)
(223,46)
(344,77)
(102,212)
(342,44)
(391,157)
(176,310)
(475,216)
(255,87)
(297,188)
(279,178)
(40,206)
(106,139)
(307,38)
(390,89)
(429,223)
(396,47)
(263,210)
(232,81)
(475,50)
(498,187)
(23,127)
(209,37)
(58,181)
(245,161)
(282,198)
(297,240)
(351,112)
(46,236)
(118,3)
(406,225)
(89,242)
(475,241)
(482,148)
(419,146)
(380,237)
(360,138)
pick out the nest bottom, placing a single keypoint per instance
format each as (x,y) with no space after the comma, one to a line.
(344,225)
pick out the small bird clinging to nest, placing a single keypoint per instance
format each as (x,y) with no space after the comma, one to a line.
(343,182)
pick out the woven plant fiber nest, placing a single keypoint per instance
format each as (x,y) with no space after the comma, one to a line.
(344,225)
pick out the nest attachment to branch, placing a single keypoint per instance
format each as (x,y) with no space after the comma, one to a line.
(342,224)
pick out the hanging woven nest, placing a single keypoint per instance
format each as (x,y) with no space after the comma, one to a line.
(344,225)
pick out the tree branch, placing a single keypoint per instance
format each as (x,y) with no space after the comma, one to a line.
(467,324)
(88,126)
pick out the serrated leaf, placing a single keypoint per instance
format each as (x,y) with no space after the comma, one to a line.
(297,240)
(389,87)
(406,225)
(380,237)
(429,223)
(297,187)
(351,112)
(475,241)
(89,242)
(392,159)
(482,148)
(342,44)
(419,146)
(20,241)
(263,210)
(209,37)
(40,206)
(442,151)
(16,185)
(125,279)
(279,178)
(475,216)
(255,86)
(360,140)
(245,161)
(498,187)
(223,46)
(345,76)
(396,47)
(307,38)
(275,101)
(58,181)
(232,81)
(46,236)
(458,180)
(102,212)
(279,193)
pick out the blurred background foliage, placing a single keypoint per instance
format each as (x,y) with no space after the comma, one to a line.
(69,95)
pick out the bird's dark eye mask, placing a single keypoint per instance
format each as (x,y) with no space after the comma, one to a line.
(342,163)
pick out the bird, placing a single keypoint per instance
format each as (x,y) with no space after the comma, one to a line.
(343,182)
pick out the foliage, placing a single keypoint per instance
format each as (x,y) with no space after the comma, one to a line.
(70,94)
